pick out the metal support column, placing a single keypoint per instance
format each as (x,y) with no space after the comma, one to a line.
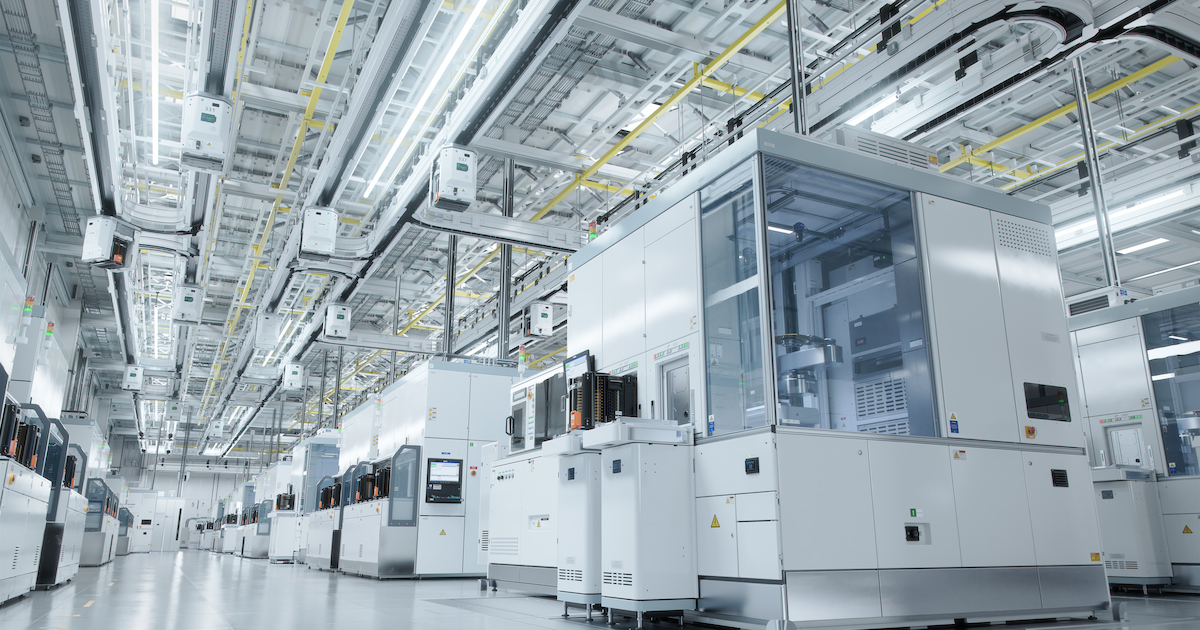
(451,263)
(796,47)
(321,396)
(157,446)
(1092,158)
(504,300)
(396,319)
(187,436)
(337,389)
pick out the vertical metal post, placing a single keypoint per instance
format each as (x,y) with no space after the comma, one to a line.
(1103,230)
(396,319)
(157,446)
(337,389)
(321,396)
(504,301)
(796,47)
(187,436)
(451,263)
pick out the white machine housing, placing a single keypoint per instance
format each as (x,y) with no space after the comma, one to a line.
(579,529)
(783,470)
(1131,526)
(447,412)
(142,503)
(189,304)
(24,500)
(452,179)
(98,238)
(318,232)
(132,378)
(523,523)
(270,327)
(293,376)
(541,319)
(207,121)
(337,321)
(1131,415)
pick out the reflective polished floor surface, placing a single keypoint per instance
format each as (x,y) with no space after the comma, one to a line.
(198,590)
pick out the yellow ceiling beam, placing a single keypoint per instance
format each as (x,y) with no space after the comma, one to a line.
(754,31)
(1061,111)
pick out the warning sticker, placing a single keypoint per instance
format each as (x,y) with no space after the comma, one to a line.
(1095,557)
(715,523)
(443,533)
(960,454)
(1187,530)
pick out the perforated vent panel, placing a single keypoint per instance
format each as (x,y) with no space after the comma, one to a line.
(618,579)
(504,546)
(483,541)
(896,152)
(1033,240)
(880,398)
(570,575)
(891,427)
(1128,565)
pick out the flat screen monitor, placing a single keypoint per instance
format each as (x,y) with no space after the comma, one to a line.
(443,481)
(445,471)
(578,365)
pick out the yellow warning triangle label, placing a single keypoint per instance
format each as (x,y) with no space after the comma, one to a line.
(539,524)
(1187,530)
(443,533)
(955,454)
(715,523)
(953,417)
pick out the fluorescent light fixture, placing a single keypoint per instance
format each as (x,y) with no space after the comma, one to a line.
(154,80)
(1146,245)
(781,230)
(1169,270)
(1163,377)
(429,90)
(1085,230)
(874,109)
(1146,204)
(1177,350)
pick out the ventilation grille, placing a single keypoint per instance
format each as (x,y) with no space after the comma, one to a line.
(880,398)
(1058,477)
(894,152)
(16,557)
(1089,305)
(618,579)
(504,546)
(890,427)
(360,548)
(570,575)
(1127,565)
(1025,238)
(483,541)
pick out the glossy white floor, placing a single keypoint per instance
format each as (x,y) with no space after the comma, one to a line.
(197,590)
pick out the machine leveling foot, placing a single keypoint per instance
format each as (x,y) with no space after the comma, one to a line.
(566,610)
(640,618)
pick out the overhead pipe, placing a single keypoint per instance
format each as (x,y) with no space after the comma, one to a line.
(504,301)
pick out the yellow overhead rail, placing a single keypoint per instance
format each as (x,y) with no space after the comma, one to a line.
(414,321)
(971,155)
(698,78)
(305,123)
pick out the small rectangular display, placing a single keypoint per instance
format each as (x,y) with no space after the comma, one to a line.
(209,118)
(578,365)
(462,167)
(1047,402)
(444,471)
